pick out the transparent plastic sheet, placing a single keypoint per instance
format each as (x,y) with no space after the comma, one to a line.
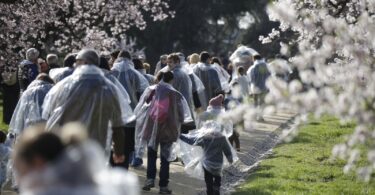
(223,76)
(243,89)
(243,56)
(207,146)
(58,74)
(29,108)
(211,81)
(89,97)
(80,171)
(150,128)
(132,80)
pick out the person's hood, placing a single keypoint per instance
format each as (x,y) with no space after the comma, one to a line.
(37,83)
(88,69)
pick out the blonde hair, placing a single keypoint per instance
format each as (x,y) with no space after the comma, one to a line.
(147,66)
(194,58)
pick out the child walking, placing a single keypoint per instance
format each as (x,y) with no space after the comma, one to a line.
(212,137)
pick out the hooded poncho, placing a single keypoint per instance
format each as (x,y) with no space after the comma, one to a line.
(87,96)
(210,144)
(29,107)
(160,113)
(211,81)
(132,80)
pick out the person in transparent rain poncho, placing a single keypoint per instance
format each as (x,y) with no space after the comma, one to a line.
(160,113)
(205,159)
(240,86)
(223,74)
(242,57)
(209,77)
(135,84)
(87,96)
(133,81)
(29,107)
(67,164)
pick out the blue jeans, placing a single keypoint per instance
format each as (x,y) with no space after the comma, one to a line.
(151,167)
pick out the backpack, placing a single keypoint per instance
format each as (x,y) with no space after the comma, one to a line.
(159,110)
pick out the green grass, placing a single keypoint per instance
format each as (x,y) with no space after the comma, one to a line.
(304,166)
(3,126)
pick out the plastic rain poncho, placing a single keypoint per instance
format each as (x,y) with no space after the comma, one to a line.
(58,74)
(243,56)
(29,107)
(207,146)
(242,89)
(181,86)
(182,83)
(87,96)
(223,76)
(211,81)
(132,80)
(5,153)
(160,113)
(150,78)
(80,170)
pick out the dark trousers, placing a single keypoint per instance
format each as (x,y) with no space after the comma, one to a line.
(234,138)
(129,148)
(213,183)
(151,167)
(10,100)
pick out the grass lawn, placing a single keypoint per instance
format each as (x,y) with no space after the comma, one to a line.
(3,126)
(303,166)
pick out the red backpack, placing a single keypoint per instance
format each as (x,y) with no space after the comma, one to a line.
(159,110)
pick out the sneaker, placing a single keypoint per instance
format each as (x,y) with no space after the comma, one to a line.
(165,190)
(150,183)
(137,162)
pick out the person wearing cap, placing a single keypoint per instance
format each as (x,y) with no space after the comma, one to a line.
(88,97)
(28,69)
(210,78)
(212,136)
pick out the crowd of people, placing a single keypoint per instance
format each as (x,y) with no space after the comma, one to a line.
(125,112)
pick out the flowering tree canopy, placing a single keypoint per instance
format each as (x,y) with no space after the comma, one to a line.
(63,26)
(335,58)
